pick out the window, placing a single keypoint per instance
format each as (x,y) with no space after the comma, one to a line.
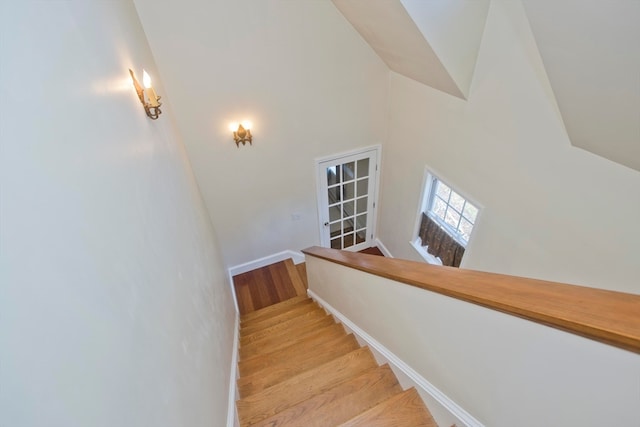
(444,225)
(451,211)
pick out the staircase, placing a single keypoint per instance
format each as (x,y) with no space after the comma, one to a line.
(298,367)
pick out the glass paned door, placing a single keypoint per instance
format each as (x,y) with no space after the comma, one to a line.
(346,200)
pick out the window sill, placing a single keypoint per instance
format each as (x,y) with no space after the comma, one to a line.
(422,251)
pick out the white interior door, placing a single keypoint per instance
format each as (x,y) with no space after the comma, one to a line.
(346,200)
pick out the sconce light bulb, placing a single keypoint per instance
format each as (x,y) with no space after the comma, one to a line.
(241,132)
(146,80)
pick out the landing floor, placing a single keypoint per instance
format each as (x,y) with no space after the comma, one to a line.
(267,286)
(274,283)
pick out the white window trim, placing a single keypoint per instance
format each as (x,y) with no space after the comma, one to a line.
(422,251)
(423,204)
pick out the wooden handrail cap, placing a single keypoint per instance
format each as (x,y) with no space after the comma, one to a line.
(607,316)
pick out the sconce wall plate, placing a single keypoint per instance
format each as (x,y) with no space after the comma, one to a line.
(152,108)
(242,135)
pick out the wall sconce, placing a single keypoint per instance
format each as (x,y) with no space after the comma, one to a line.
(241,132)
(152,108)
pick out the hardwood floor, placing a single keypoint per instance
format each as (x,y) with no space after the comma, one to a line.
(275,283)
(268,285)
(373,250)
(302,271)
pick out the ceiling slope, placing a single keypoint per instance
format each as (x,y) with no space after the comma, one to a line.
(454,30)
(387,27)
(591,52)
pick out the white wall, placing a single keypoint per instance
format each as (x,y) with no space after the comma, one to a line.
(300,72)
(551,211)
(114,309)
(503,370)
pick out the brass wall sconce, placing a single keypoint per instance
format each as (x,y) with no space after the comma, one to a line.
(241,133)
(152,108)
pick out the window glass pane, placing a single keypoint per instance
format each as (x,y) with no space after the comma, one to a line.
(361,236)
(361,205)
(333,175)
(347,225)
(348,191)
(363,187)
(439,207)
(457,201)
(361,221)
(335,229)
(465,229)
(348,171)
(334,213)
(450,210)
(452,218)
(335,243)
(470,212)
(363,168)
(348,240)
(347,209)
(443,190)
(334,195)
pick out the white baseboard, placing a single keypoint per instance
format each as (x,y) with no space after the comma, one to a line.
(232,418)
(383,248)
(233,292)
(297,257)
(444,410)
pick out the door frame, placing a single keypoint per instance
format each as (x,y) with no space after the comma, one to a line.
(320,174)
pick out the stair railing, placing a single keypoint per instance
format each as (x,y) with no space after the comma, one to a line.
(606,316)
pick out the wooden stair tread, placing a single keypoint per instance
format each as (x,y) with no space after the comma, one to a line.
(299,368)
(303,386)
(245,319)
(294,311)
(401,410)
(268,344)
(340,403)
(293,352)
(296,280)
(301,347)
(286,368)
(300,322)
(286,312)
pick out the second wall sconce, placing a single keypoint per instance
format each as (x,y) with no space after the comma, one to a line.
(241,132)
(152,107)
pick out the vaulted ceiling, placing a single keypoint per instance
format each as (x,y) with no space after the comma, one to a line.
(591,52)
(590,49)
(435,42)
